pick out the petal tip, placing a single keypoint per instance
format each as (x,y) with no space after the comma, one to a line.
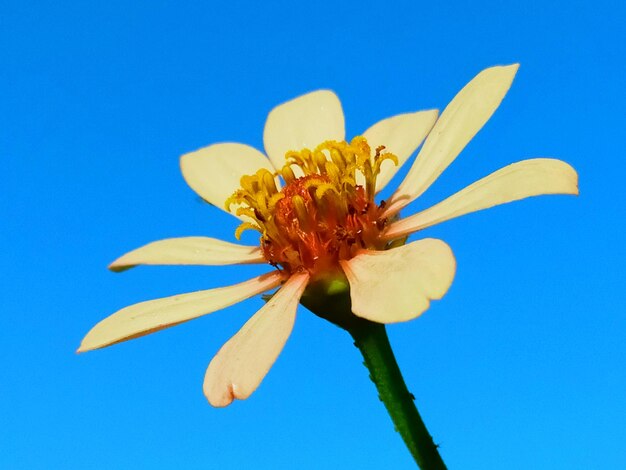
(91,342)
(83,347)
(217,399)
(222,402)
(321,94)
(184,161)
(325,91)
(576,189)
(571,175)
(119,265)
(452,271)
(509,69)
(432,114)
(514,66)
(501,73)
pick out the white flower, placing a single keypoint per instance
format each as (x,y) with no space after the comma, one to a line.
(324,222)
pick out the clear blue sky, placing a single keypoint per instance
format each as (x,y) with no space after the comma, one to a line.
(520,366)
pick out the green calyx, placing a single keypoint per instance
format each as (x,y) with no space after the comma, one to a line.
(329,298)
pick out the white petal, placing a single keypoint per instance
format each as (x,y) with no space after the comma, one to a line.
(215,172)
(154,315)
(513,182)
(466,114)
(241,364)
(398,284)
(401,135)
(189,250)
(304,122)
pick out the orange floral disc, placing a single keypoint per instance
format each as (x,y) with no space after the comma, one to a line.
(322,216)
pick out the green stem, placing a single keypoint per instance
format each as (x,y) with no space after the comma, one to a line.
(371,339)
(331,301)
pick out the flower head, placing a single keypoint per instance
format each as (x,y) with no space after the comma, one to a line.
(313,202)
(322,216)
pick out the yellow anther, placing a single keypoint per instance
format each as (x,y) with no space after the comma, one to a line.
(350,169)
(245,211)
(379,159)
(312,182)
(390,156)
(261,202)
(323,189)
(298,204)
(348,181)
(273,200)
(269,183)
(320,161)
(361,146)
(249,183)
(320,215)
(304,159)
(287,174)
(234,199)
(337,159)
(313,168)
(333,199)
(366,169)
(293,157)
(333,172)
(245,226)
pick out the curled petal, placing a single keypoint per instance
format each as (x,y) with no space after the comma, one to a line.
(397,285)
(466,114)
(401,135)
(189,250)
(304,122)
(215,172)
(154,315)
(241,364)
(520,180)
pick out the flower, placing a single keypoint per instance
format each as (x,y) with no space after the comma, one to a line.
(313,201)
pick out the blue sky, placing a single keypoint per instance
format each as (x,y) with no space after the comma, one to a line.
(520,366)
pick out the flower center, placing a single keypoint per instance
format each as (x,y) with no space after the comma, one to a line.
(324,213)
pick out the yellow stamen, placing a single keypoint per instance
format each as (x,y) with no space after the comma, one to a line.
(287,174)
(301,212)
(321,217)
(243,227)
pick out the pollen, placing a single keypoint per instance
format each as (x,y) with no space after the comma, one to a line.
(325,211)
